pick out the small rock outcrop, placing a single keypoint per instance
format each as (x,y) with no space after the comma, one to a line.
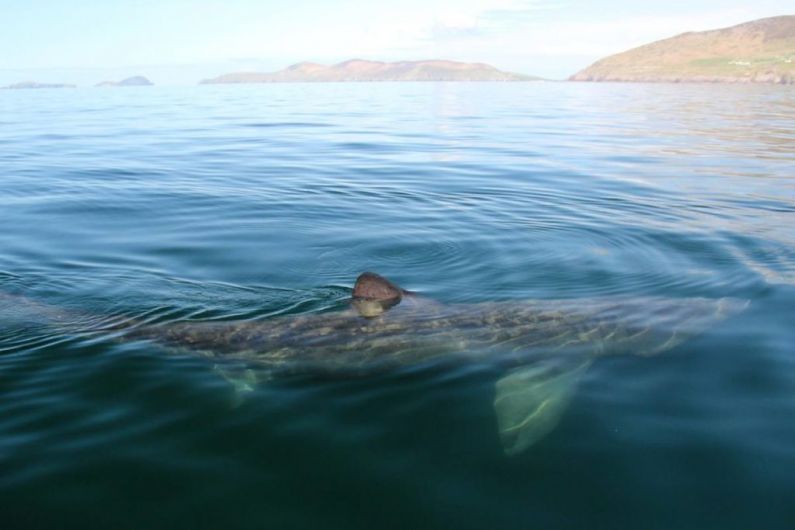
(33,84)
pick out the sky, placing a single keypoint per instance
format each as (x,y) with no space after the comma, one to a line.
(183,41)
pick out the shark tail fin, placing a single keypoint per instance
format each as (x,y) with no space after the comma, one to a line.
(530,401)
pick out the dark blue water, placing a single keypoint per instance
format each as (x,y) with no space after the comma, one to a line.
(225,203)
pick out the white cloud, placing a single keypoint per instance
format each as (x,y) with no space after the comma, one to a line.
(612,36)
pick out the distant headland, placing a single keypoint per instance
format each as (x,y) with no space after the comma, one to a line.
(137,80)
(359,70)
(761,51)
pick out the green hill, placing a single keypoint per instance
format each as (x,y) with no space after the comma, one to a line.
(762,51)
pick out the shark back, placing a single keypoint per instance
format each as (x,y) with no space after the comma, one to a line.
(546,346)
(508,332)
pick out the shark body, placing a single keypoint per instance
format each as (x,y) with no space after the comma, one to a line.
(544,346)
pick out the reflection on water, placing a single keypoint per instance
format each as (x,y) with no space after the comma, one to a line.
(252,202)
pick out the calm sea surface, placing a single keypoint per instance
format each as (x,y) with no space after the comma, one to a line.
(222,203)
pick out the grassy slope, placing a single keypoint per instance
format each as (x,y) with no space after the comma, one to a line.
(762,50)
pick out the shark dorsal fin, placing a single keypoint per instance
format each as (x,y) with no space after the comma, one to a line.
(373,286)
(373,294)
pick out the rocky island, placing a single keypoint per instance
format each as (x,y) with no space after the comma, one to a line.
(32,84)
(761,51)
(137,80)
(366,71)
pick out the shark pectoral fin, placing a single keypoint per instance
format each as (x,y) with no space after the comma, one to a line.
(243,381)
(530,402)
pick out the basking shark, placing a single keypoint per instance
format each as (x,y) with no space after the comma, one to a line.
(543,346)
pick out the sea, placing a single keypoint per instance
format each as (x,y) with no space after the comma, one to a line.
(253,202)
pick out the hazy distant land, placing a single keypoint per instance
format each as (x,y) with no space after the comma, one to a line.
(137,80)
(32,84)
(761,51)
(361,70)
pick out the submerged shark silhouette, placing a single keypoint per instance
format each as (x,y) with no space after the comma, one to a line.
(544,346)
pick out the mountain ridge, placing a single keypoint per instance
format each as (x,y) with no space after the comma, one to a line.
(362,70)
